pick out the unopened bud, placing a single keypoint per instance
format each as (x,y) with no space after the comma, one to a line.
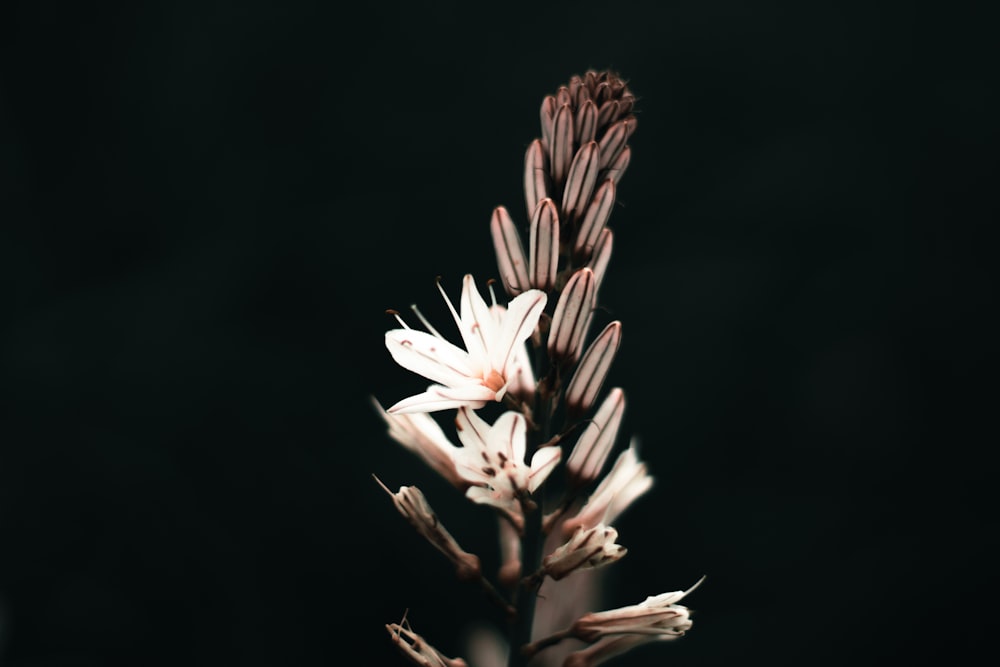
(593,369)
(572,315)
(592,448)
(509,252)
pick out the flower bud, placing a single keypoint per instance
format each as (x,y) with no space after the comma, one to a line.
(572,315)
(592,448)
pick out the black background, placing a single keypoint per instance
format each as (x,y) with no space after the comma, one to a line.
(207,207)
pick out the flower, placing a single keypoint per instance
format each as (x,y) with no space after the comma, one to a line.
(416,648)
(412,504)
(616,631)
(492,461)
(480,373)
(656,615)
(586,549)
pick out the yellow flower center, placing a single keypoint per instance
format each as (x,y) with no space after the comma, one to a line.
(494,381)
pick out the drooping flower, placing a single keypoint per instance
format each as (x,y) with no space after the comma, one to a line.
(656,615)
(412,504)
(485,369)
(492,461)
(416,648)
(616,631)
(422,435)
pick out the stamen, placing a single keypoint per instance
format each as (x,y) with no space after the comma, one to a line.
(424,321)
(399,318)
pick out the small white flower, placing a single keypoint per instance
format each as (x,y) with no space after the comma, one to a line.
(586,549)
(492,461)
(617,631)
(656,615)
(484,370)
(416,648)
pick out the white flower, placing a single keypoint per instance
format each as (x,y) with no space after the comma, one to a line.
(617,631)
(480,373)
(656,615)
(586,549)
(416,648)
(492,461)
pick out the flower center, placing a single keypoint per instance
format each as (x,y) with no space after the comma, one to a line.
(494,381)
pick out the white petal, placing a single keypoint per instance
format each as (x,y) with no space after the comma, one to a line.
(522,317)
(508,437)
(542,464)
(478,329)
(434,358)
(433,400)
(468,394)
(472,431)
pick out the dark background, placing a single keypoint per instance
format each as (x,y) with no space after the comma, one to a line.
(207,207)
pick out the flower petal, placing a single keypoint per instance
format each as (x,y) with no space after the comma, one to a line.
(522,316)
(478,326)
(507,437)
(438,397)
(542,464)
(434,358)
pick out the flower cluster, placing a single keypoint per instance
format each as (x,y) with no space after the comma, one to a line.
(533,363)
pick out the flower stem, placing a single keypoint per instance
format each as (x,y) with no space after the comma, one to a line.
(534,647)
(520,632)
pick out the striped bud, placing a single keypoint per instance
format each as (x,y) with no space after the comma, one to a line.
(572,315)
(595,218)
(592,448)
(592,370)
(543,246)
(537,184)
(509,252)
(580,182)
